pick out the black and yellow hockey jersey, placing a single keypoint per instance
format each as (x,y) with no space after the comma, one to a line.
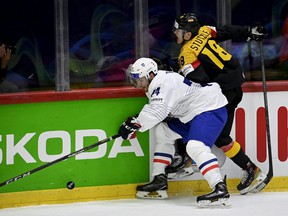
(203,60)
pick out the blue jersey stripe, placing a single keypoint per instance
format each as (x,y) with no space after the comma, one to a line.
(207,162)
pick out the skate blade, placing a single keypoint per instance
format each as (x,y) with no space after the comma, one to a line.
(259,185)
(220,203)
(160,194)
(181,173)
(255,183)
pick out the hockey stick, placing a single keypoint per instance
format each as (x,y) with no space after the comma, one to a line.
(269,176)
(58,160)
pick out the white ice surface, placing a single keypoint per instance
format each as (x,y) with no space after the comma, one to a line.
(262,204)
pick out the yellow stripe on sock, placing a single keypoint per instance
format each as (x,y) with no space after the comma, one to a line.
(234,150)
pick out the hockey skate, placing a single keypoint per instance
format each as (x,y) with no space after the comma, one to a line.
(156,189)
(219,197)
(180,167)
(252,177)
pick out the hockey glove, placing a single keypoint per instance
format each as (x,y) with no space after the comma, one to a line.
(257,33)
(128,128)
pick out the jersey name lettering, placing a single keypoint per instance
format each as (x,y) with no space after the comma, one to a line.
(199,40)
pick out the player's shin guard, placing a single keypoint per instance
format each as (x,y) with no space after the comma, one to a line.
(162,158)
(206,161)
(209,167)
(157,188)
(235,152)
(164,150)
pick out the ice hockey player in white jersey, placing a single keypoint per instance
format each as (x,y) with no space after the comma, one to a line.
(199,112)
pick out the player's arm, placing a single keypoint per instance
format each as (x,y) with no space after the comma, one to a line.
(150,115)
(159,106)
(193,70)
(227,32)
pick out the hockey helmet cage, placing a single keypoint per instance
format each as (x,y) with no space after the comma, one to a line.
(143,67)
(188,22)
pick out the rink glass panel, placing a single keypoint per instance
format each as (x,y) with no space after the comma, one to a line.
(101,38)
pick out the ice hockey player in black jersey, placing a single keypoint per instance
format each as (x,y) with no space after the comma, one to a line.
(202,60)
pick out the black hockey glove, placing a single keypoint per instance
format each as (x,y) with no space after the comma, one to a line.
(257,33)
(128,128)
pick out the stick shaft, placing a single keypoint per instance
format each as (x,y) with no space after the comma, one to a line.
(266,107)
(58,160)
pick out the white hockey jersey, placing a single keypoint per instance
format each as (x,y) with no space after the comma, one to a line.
(172,95)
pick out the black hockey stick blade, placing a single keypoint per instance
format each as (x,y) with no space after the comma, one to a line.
(269,176)
(23,175)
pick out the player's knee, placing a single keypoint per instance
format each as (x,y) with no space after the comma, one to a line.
(223,140)
(194,148)
(165,149)
(165,135)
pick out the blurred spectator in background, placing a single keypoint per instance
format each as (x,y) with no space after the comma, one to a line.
(5,56)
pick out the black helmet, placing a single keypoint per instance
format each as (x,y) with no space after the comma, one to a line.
(188,22)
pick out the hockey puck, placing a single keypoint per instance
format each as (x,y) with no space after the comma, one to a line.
(70,185)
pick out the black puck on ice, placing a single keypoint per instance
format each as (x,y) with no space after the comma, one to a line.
(70,185)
